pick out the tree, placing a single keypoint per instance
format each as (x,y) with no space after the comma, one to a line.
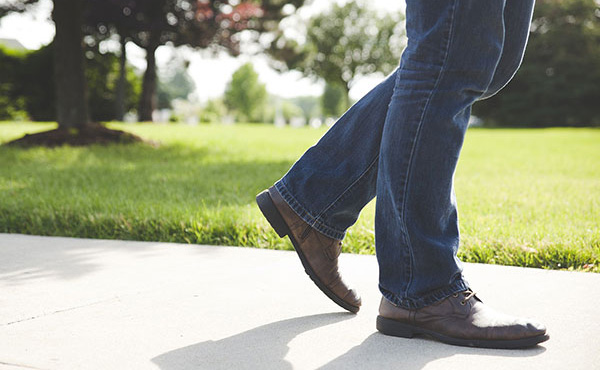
(310,106)
(102,19)
(103,74)
(289,110)
(346,42)
(27,83)
(245,95)
(199,24)
(74,125)
(187,22)
(213,112)
(558,83)
(71,109)
(176,83)
(12,103)
(29,88)
(333,101)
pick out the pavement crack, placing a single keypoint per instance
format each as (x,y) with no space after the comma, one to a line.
(60,311)
(18,365)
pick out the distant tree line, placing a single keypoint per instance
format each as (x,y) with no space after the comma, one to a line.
(559,81)
(246,100)
(342,44)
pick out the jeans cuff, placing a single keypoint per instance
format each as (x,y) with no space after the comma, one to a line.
(313,221)
(426,300)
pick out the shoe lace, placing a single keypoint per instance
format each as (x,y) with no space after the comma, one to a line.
(468,294)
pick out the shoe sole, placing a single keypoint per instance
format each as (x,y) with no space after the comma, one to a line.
(271,213)
(398,329)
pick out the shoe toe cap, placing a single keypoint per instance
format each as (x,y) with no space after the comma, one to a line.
(353,299)
(535,328)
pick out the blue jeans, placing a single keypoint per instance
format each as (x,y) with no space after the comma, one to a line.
(401,143)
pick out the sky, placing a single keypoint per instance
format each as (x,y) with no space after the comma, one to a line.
(211,74)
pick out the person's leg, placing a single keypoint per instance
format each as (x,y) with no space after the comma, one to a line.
(454,58)
(454,49)
(333,180)
(322,194)
(331,183)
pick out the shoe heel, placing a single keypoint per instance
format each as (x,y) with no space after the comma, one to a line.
(268,209)
(394,328)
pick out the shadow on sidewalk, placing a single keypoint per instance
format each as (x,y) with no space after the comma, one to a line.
(379,351)
(265,347)
(262,348)
(30,257)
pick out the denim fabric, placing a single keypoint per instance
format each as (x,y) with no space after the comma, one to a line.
(401,143)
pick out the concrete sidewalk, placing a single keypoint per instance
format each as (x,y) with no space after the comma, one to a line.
(101,304)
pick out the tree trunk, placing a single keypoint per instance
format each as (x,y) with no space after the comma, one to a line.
(148,98)
(121,82)
(74,125)
(346,96)
(71,92)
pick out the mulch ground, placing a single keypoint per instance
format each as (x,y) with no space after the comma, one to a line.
(89,134)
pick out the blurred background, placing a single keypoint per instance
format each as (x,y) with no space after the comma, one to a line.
(193,49)
(282,62)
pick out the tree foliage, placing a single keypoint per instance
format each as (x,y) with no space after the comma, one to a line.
(309,104)
(199,24)
(174,83)
(27,84)
(246,95)
(12,103)
(289,110)
(348,41)
(15,6)
(28,88)
(559,81)
(102,75)
(213,112)
(333,101)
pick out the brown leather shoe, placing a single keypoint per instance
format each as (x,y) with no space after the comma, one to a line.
(461,319)
(318,253)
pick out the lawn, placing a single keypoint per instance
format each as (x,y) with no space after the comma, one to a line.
(526,197)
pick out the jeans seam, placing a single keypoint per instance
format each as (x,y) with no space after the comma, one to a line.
(415,144)
(487,94)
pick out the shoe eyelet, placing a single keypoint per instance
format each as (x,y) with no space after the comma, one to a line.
(462,303)
(455,295)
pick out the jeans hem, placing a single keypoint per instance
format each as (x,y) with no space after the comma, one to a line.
(428,299)
(314,222)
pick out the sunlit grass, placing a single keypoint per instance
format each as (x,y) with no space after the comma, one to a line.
(526,197)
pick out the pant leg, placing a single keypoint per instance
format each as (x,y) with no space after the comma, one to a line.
(517,21)
(335,179)
(454,48)
(331,183)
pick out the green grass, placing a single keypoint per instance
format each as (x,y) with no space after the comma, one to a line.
(526,197)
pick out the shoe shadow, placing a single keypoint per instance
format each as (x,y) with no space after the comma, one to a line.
(263,347)
(380,351)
